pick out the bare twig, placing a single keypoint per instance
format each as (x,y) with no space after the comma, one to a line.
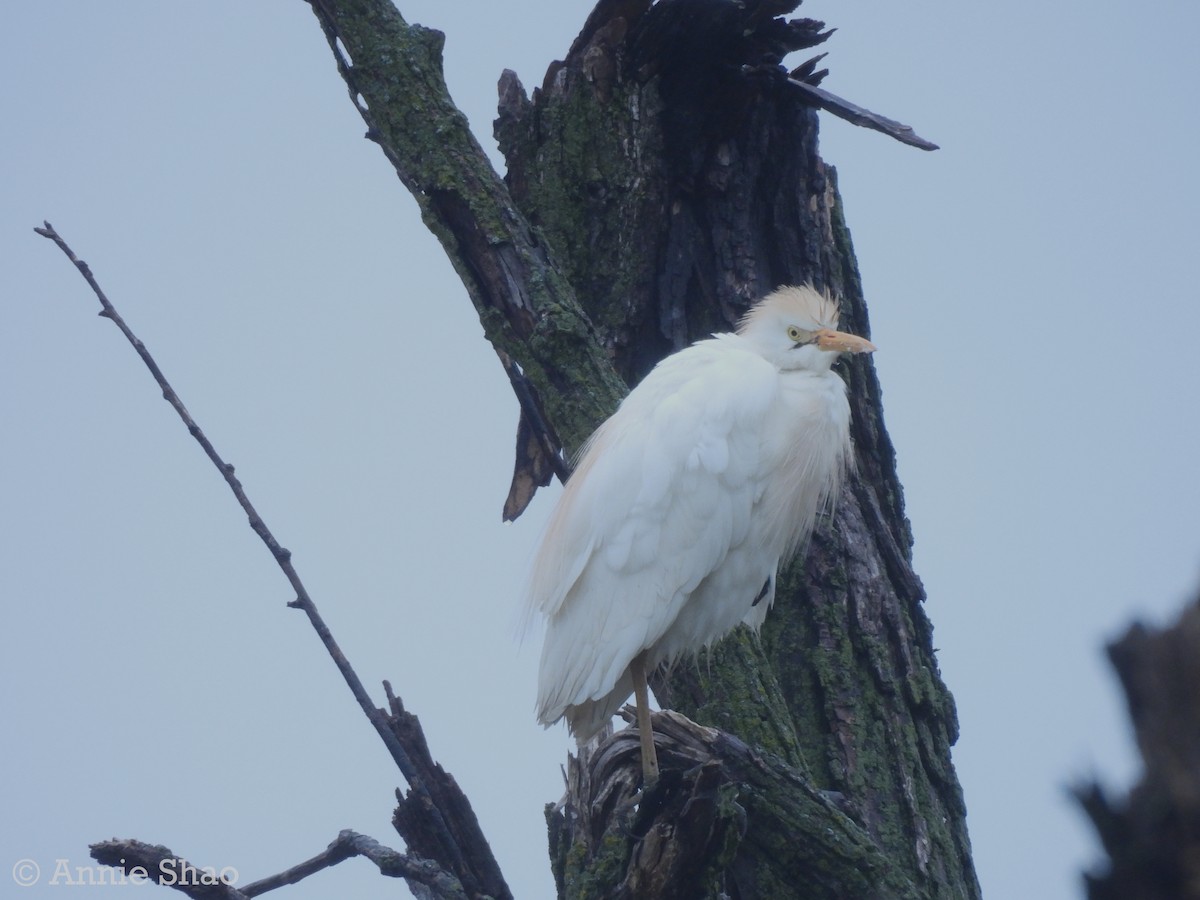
(718,796)
(524,299)
(391,863)
(161,865)
(340,850)
(283,557)
(855,114)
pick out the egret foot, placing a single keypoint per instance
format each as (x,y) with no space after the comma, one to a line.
(641,695)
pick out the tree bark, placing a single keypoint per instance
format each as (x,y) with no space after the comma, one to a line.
(663,177)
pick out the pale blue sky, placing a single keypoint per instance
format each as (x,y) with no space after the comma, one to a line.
(1029,295)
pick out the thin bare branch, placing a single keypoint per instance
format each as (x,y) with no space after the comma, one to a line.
(1150,836)
(338,851)
(282,555)
(161,865)
(433,815)
(397,865)
(855,114)
(391,863)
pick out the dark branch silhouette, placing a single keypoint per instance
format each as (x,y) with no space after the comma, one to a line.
(391,863)
(162,866)
(1151,836)
(456,846)
(159,864)
(856,115)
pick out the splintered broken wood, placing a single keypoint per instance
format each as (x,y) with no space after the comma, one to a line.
(539,451)
(717,804)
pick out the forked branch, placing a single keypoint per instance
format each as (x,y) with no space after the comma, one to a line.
(159,864)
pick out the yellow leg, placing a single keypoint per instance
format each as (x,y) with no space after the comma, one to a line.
(641,695)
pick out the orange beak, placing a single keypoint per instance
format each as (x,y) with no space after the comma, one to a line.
(840,342)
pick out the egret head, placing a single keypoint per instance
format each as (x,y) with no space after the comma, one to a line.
(796,328)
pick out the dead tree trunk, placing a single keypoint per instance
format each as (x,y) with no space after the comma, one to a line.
(1151,837)
(664,176)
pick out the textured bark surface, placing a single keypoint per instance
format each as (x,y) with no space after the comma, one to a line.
(725,819)
(677,186)
(394,74)
(1152,836)
(664,176)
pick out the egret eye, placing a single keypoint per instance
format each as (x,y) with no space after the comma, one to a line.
(796,334)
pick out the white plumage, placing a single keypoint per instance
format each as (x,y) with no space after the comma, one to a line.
(684,503)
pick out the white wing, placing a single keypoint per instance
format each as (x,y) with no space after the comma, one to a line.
(664,490)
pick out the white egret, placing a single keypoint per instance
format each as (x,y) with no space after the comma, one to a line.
(683,505)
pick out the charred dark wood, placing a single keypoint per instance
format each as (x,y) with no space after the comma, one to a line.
(461,848)
(1152,835)
(674,183)
(855,114)
(664,175)
(724,820)
(677,186)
